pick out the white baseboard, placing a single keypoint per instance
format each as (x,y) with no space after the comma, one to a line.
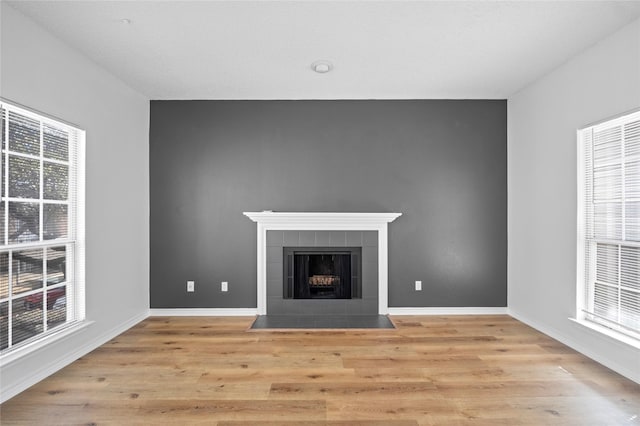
(631,374)
(204,312)
(38,375)
(448,311)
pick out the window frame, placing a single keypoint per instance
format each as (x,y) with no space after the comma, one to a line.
(74,241)
(587,244)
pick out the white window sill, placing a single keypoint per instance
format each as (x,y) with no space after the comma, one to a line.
(27,349)
(623,338)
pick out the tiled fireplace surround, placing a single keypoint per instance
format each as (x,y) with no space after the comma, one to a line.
(276,230)
(277,305)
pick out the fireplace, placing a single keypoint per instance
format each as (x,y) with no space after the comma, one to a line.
(276,230)
(322,272)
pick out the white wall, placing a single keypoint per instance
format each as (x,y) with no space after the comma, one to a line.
(40,72)
(542,121)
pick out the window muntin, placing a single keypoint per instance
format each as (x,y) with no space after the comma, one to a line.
(41,256)
(609,224)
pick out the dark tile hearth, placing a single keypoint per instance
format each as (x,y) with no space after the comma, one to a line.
(263,322)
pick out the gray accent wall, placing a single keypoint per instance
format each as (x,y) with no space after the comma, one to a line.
(441,163)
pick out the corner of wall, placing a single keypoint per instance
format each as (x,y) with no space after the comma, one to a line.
(36,375)
(580,346)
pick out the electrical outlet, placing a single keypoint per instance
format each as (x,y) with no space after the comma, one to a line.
(224,286)
(191,286)
(418,285)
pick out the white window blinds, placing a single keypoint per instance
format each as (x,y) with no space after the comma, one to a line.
(41,234)
(609,224)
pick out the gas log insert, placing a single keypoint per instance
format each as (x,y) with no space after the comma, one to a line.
(322,272)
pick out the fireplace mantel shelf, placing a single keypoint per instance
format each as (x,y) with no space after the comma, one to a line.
(321,220)
(330,221)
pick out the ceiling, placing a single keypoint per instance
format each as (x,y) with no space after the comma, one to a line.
(379,50)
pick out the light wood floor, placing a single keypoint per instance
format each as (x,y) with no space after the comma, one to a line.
(458,370)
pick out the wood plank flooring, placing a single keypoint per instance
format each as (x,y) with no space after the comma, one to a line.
(431,370)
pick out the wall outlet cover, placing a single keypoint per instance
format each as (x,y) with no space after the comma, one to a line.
(418,285)
(191,286)
(224,286)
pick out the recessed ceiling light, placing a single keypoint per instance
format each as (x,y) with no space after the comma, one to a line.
(125,21)
(322,67)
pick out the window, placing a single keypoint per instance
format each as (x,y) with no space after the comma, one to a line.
(41,233)
(609,224)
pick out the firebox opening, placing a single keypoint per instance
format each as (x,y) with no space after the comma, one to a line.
(322,273)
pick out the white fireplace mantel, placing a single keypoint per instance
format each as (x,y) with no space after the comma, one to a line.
(307,221)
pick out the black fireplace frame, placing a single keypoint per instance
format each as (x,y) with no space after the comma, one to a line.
(288,268)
